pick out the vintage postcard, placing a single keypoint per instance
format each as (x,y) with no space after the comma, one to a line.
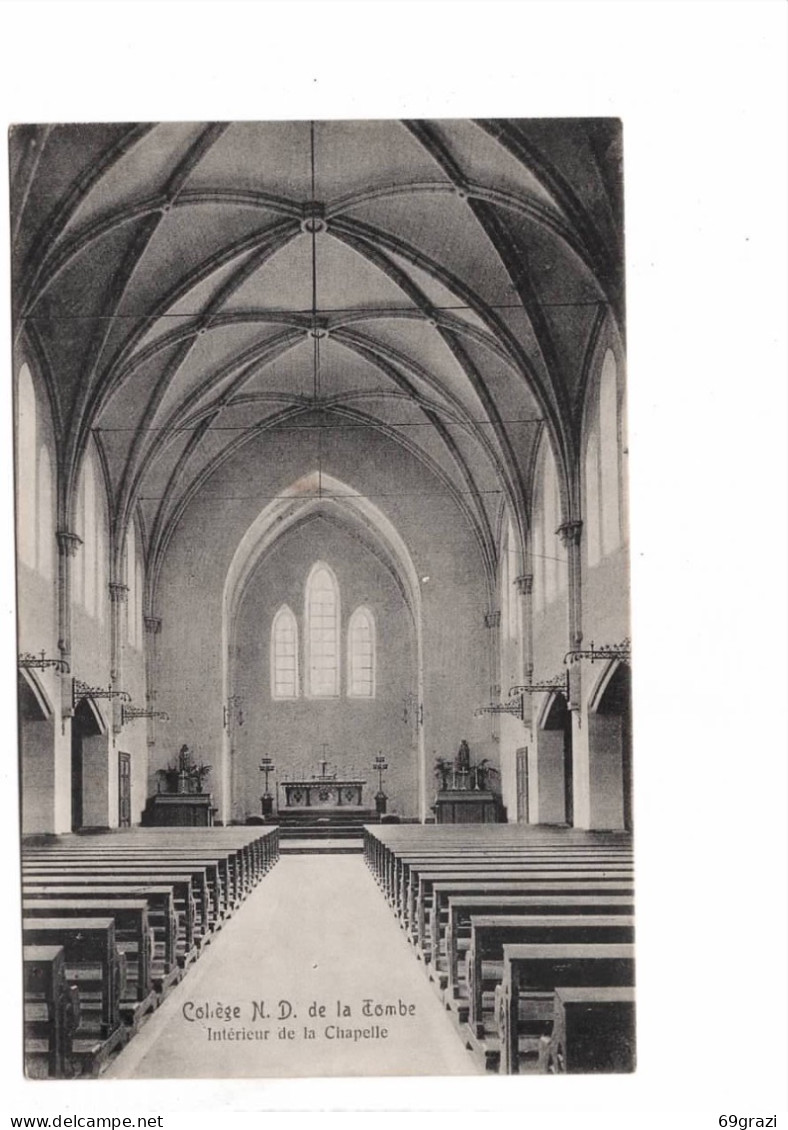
(323,598)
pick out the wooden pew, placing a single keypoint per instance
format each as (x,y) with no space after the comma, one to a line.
(179,881)
(161,891)
(593,1032)
(489,864)
(484,897)
(193,901)
(544,968)
(161,914)
(234,859)
(92,961)
(394,877)
(420,895)
(491,933)
(258,848)
(400,878)
(132,936)
(51,1013)
(456,932)
(219,877)
(381,843)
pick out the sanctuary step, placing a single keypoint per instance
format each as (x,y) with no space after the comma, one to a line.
(324,823)
(322,846)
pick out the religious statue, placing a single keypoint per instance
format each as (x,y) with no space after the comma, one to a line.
(463,761)
(183,775)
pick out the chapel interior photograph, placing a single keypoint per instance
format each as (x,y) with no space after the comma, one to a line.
(325,735)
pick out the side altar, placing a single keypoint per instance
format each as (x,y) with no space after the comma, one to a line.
(326,790)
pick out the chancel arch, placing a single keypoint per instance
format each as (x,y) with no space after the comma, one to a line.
(368,557)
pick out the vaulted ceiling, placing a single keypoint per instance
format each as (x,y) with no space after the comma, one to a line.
(184,287)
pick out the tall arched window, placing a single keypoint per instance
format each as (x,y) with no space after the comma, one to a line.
(78,568)
(46,525)
(593,529)
(603,469)
(284,655)
(101,563)
(608,455)
(322,619)
(550,569)
(510,610)
(26,457)
(138,600)
(537,552)
(131,584)
(89,534)
(361,654)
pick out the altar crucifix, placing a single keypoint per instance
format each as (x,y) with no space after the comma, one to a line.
(324,763)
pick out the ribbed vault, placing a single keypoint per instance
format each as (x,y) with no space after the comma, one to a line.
(183,288)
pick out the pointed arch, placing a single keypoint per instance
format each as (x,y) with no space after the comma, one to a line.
(284,655)
(361,654)
(321,617)
(318,493)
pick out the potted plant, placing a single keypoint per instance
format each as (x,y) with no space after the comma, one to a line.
(443,768)
(198,775)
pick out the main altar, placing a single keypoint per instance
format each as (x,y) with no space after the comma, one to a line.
(323,790)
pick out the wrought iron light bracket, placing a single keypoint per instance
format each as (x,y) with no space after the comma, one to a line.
(28,661)
(130,713)
(604,652)
(80,690)
(559,683)
(513,707)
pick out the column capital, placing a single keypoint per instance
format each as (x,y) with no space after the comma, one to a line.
(524,583)
(67,543)
(152,624)
(569,532)
(492,619)
(118,592)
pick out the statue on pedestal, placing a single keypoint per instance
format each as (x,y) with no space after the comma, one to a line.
(463,760)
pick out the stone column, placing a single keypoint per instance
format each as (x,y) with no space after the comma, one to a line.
(570,533)
(118,596)
(67,545)
(152,630)
(525,584)
(492,621)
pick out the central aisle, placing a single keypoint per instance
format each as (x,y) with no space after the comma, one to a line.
(315,933)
